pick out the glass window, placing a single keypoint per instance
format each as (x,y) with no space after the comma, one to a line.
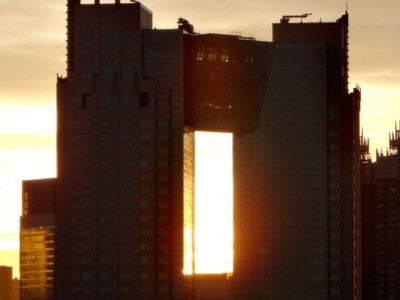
(200,53)
(124,100)
(104,137)
(144,163)
(212,54)
(144,231)
(224,55)
(107,69)
(144,204)
(85,69)
(144,191)
(124,136)
(105,123)
(144,137)
(162,137)
(335,291)
(124,289)
(144,150)
(144,123)
(86,39)
(86,124)
(104,100)
(107,39)
(162,101)
(162,123)
(124,123)
(127,39)
(125,163)
(127,69)
(144,247)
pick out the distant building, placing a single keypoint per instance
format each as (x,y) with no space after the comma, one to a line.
(380,222)
(6,283)
(15,293)
(126,112)
(368,221)
(37,239)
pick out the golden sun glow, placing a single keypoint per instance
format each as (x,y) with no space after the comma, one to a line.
(213,215)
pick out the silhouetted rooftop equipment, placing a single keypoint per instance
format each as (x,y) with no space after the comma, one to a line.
(286,19)
(394,139)
(185,25)
(364,148)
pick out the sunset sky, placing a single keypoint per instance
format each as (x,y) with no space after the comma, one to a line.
(32,52)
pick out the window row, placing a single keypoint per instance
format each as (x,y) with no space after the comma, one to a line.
(107,39)
(108,69)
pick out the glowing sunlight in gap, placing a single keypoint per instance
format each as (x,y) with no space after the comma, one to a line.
(213,203)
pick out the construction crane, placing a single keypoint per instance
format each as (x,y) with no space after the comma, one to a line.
(286,19)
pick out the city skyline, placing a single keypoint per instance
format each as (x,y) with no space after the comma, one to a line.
(28,149)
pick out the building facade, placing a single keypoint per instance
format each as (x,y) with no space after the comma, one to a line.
(6,283)
(37,239)
(127,112)
(120,166)
(15,289)
(380,222)
(297,176)
(367,220)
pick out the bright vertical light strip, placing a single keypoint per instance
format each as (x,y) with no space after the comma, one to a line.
(188,206)
(213,202)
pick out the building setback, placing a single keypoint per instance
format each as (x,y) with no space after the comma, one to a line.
(126,112)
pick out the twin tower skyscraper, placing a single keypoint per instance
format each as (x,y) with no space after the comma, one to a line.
(127,109)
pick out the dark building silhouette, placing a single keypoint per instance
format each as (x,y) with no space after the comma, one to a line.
(37,238)
(297,176)
(380,223)
(368,221)
(127,110)
(15,289)
(120,166)
(6,283)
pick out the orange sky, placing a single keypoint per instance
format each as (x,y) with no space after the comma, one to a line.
(32,52)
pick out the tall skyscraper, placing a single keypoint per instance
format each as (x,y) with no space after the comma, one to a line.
(128,112)
(380,222)
(297,175)
(120,166)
